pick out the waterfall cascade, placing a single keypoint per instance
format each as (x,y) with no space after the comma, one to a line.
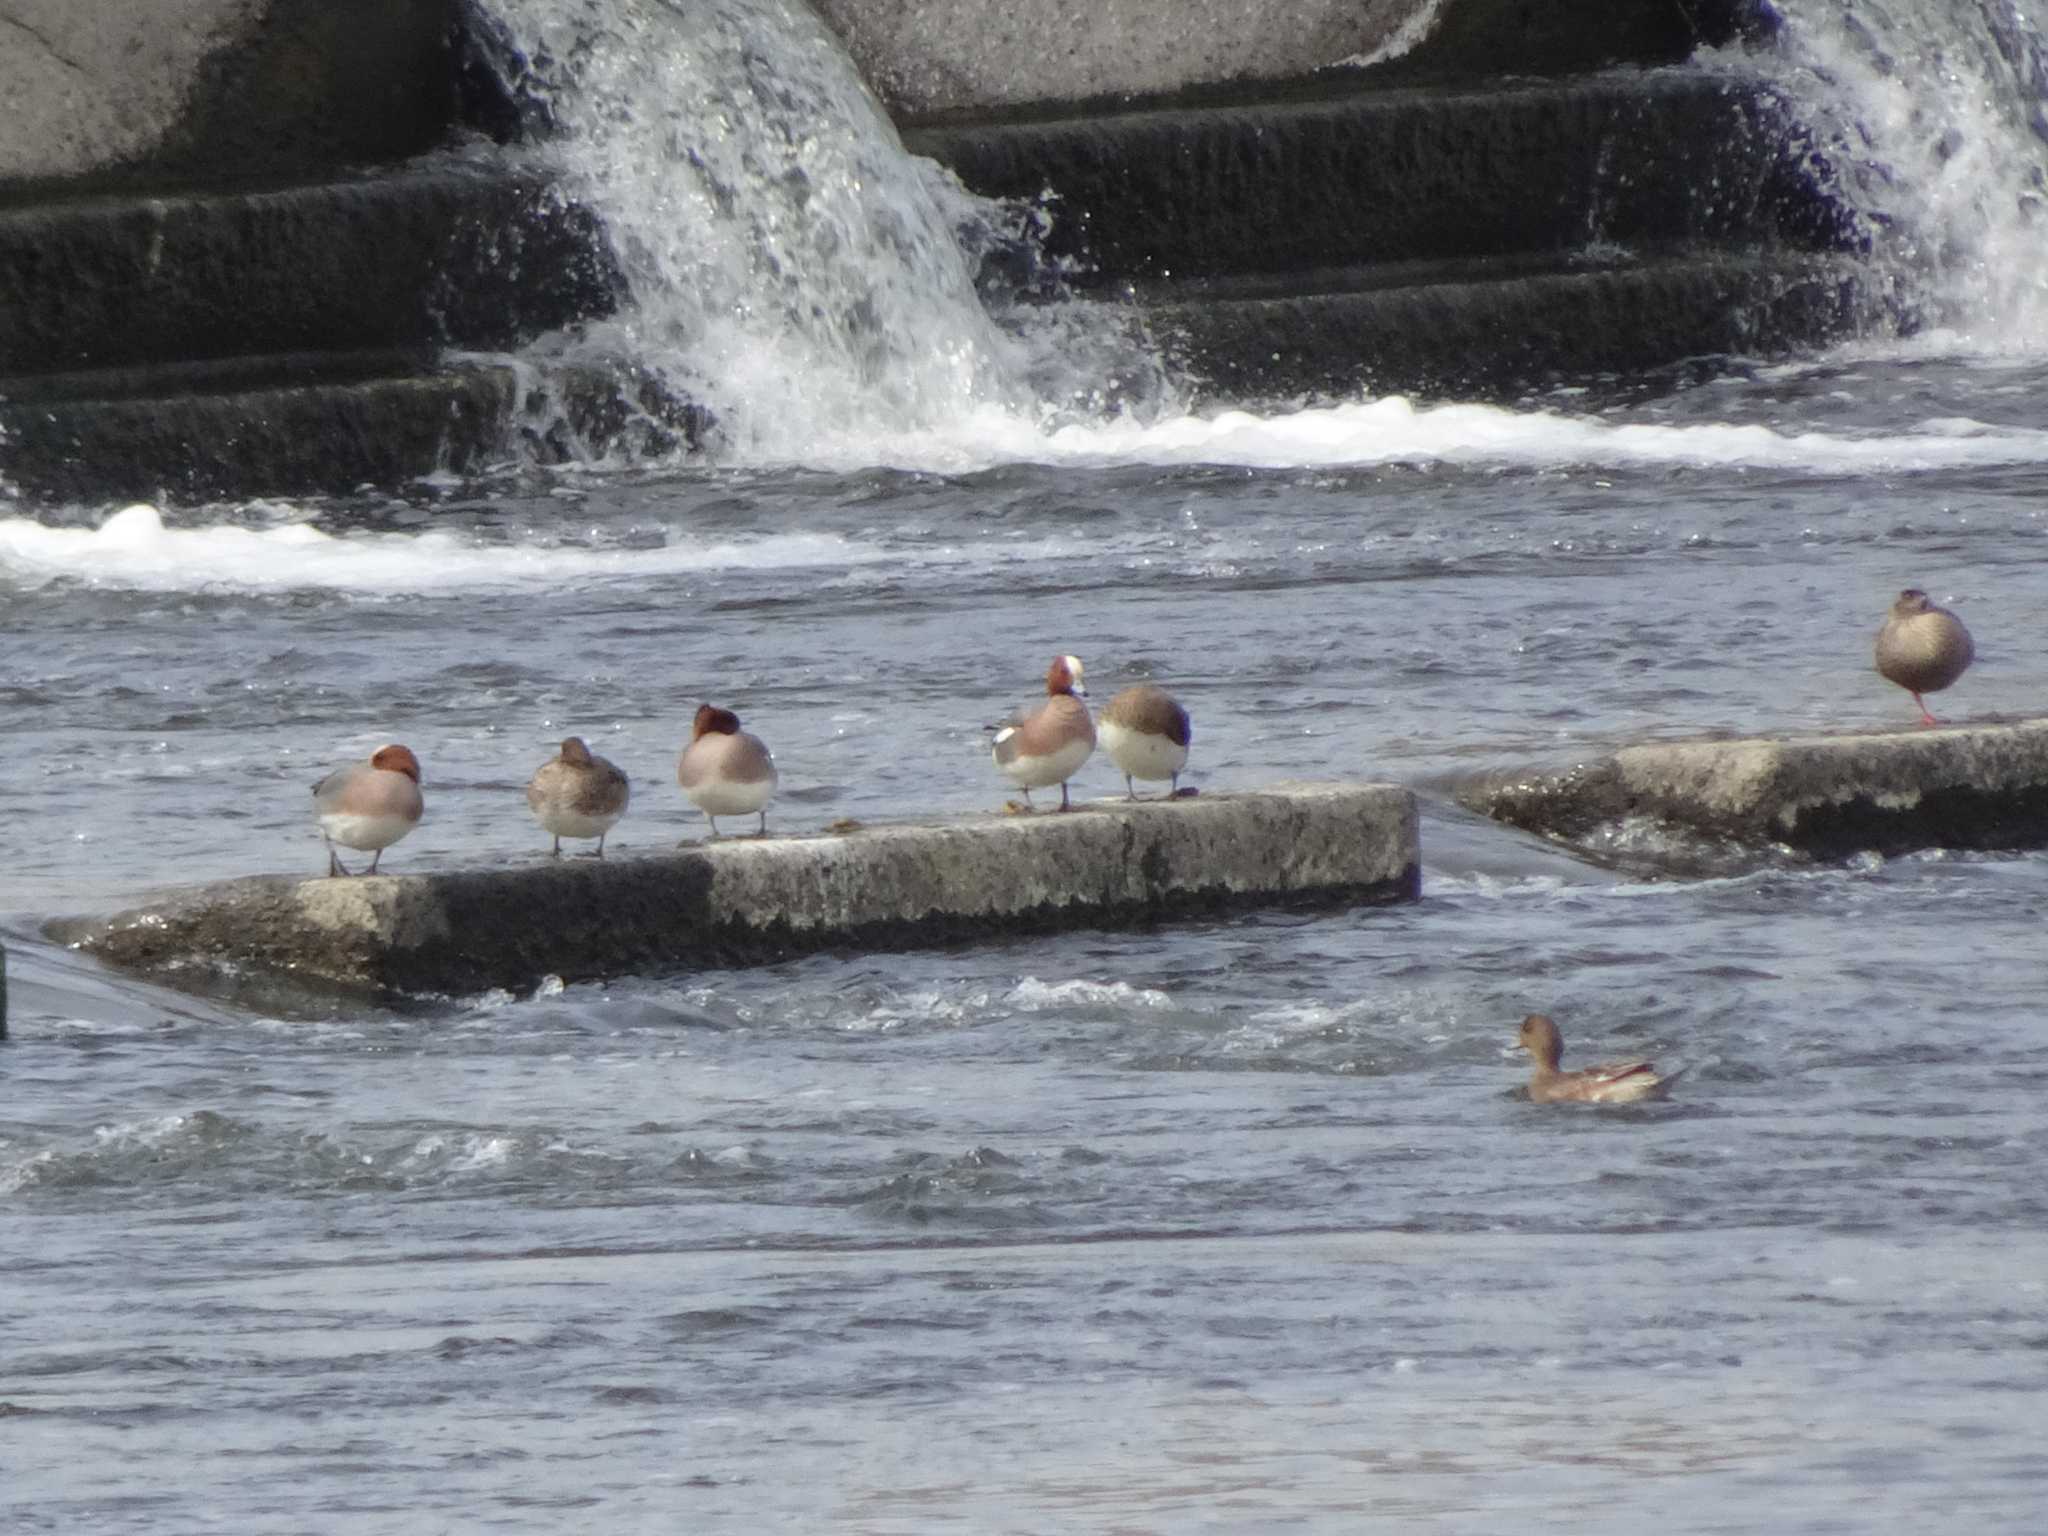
(788,264)
(1929,119)
(791,267)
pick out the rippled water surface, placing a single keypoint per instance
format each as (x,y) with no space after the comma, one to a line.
(1237,1226)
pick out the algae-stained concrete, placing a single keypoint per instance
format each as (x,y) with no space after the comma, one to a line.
(219,89)
(1111,863)
(935,55)
(1982,786)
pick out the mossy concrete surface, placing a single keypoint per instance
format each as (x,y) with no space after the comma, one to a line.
(1969,787)
(1110,863)
(150,91)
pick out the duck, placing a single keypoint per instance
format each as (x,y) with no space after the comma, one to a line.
(1615,1082)
(726,771)
(369,806)
(1922,647)
(1048,745)
(578,794)
(1146,733)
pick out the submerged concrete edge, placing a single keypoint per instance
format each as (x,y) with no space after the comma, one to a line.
(1966,787)
(742,901)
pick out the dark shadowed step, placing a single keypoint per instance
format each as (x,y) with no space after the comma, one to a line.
(1360,175)
(434,254)
(307,423)
(1493,327)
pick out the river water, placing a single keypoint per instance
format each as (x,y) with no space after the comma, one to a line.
(1238,1226)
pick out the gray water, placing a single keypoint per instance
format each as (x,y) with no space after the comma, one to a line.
(1227,1227)
(1236,1226)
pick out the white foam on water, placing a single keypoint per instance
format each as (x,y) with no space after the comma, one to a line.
(1034,996)
(1394,430)
(134,549)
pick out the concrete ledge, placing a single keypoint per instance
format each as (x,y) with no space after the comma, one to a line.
(433,254)
(1113,863)
(1466,328)
(1347,174)
(302,424)
(1826,796)
(929,56)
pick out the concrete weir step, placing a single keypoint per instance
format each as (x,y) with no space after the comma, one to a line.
(1342,171)
(1502,325)
(306,423)
(438,252)
(284,340)
(297,425)
(1969,787)
(1109,863)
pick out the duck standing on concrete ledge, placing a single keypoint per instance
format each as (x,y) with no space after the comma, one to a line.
(577,795)
(726,771)
(369,806)
(1922,648)
(1049,745)
(1617,1082)
(1146,733)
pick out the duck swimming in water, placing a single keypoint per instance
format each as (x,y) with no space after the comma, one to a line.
(1616,1082)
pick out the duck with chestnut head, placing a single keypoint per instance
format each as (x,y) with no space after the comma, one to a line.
(1048,745)
(369,806)
(726,771)
(1615,1082)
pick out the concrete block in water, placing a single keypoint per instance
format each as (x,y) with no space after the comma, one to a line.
(1982,786)
(885,887)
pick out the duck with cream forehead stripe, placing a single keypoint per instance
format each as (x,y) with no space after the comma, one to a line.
(1048,745)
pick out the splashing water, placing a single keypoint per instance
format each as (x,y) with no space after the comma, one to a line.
(793,269)
(789,265)
(1929,118)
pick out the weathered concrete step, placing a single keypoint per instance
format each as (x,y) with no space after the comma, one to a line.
(281,438)
(310,423)
(437,252)
(1489,333)
(1360,174)
(886,887)
(1971,787)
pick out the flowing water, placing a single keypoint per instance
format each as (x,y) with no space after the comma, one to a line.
(1230,1227)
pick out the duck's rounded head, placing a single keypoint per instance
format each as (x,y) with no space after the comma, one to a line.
(575,753)
(397,759)
(1910,602)
(1539,1037)
(711,720)
(1064,676)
